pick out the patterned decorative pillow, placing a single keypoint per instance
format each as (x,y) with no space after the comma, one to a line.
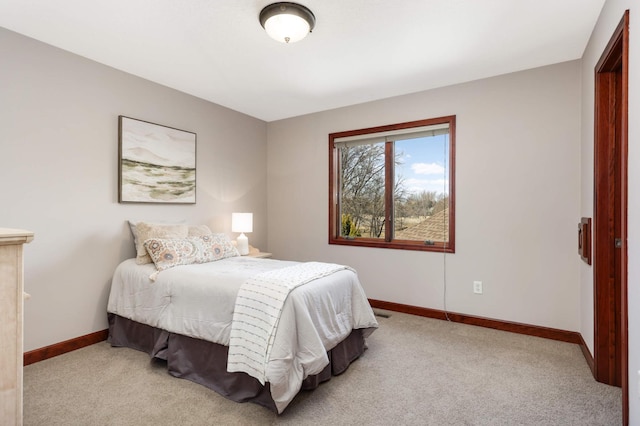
(167,253)
(220,242)
(161,230)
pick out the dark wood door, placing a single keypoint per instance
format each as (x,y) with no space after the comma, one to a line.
(610,214)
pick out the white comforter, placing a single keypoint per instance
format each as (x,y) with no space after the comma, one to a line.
(198,301)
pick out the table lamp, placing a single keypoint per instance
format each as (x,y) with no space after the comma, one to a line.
(242,222)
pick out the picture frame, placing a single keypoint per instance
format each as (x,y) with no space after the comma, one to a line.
(156,163)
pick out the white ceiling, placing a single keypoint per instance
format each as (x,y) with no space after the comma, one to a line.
(360,50)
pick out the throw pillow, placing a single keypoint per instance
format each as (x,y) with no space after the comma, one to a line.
(146,231)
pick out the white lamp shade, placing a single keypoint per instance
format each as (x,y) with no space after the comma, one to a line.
(287,28)
(242,222)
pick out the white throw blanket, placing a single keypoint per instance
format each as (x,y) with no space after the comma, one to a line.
(257,313)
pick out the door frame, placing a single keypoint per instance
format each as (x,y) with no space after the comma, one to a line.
(611,356)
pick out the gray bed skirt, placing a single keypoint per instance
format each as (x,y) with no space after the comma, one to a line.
(206,363)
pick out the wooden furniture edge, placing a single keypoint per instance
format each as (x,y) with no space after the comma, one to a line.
(56,349)
(15,236)
(513,327)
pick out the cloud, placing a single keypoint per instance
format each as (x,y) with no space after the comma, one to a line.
(427,169)
(431,185)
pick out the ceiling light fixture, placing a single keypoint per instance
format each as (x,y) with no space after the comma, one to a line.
(287,22)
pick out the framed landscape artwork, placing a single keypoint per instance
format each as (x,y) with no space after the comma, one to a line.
(157,164)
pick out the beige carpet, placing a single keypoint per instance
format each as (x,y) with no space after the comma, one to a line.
(417,371)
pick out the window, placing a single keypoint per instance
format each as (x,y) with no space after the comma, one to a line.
(393,186)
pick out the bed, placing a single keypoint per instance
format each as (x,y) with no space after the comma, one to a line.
(185,315)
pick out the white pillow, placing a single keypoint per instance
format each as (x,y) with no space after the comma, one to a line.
(199,230)
(134,227)
(194,231)
(143,231)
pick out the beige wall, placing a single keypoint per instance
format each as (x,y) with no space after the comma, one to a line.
(58,161)
(609,19)
(524,177)
(517,198)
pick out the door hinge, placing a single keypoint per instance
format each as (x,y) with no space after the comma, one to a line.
(617,242)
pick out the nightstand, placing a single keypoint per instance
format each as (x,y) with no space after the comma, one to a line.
(260,255)
(254,252)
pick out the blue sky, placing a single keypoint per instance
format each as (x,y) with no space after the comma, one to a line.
(424,162)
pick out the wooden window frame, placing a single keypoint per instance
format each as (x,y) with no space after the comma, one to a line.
(388,241)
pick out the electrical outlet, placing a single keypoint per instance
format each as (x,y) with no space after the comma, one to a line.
(477,287)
